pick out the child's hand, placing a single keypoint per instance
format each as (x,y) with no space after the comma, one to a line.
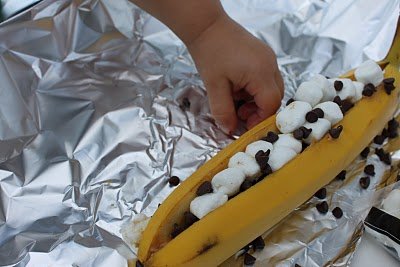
(235,65)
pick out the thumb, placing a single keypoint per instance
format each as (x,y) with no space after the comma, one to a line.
(222,104)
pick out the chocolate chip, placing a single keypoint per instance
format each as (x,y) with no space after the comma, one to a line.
(311,116)
(388,80)
(245,185)
(319,112)
(387,159)
(341,175)
(291,100)
(385,133)
(174,181)
(337,100)
(368,90)
(176,231)
(369,169)
(338,85)
(304,146)
(262,157)
(271,137)
(365,152)
(379,139)
(379,152)
(335,132)
(266,170)
(321,194)
(337,212)
(393,124)
(364,182)
(189,219)
(393,134)
(159,204)
(249,259)
(204,188)
(139,264)
(322,207)
(346,106)
(258,243)
(388,88)
(298,134)
(297,265)
(306,131)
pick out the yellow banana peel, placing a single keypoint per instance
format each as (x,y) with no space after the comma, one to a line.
(224,231)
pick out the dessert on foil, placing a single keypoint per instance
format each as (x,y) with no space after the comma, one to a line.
(225,206)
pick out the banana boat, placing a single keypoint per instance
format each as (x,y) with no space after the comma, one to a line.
(222,232)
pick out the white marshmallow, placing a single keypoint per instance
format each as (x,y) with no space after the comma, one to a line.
(391,204)
(280,156)
(292,116)
(331,111)
(348,91)
(256,146)
(369,72)
(310,92)
(287,140)
(132,231)
(319,129)
(202,205)
(228,181)
(246,163)
(359,87)
(328,92)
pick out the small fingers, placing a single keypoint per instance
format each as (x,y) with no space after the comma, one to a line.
(222,105)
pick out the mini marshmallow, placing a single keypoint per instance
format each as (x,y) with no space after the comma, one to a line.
(331,111)
(287,140)
(228,181)
(246,163)
(292,116)
(319,129)
(202,205)
(256,146)
(391,204)
(310,92)
(359,87)
(328,92)
(369,72)
(280,156)
(348,91)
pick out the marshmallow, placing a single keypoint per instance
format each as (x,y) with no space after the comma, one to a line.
(287,140)
(348,91)
(331,111)
(256,146)
(202,205)
(246,163)
(359,87)
(391,204)
(328,92)
(369,72)
(292,116)
(310,92)
(228,181)
(280,156)
(132,231)
(319,129)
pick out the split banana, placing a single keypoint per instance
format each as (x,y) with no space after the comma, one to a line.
(221,233)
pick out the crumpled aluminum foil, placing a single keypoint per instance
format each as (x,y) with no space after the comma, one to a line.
(93,119)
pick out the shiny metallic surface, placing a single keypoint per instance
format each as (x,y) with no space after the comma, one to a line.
(93,121)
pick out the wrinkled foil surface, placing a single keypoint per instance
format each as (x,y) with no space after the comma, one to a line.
(93,121)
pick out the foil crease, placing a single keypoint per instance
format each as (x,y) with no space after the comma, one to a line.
(94,119)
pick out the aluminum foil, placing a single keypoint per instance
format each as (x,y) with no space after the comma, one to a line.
(94,118)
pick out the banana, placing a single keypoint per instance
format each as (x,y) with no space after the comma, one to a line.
(224,231)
